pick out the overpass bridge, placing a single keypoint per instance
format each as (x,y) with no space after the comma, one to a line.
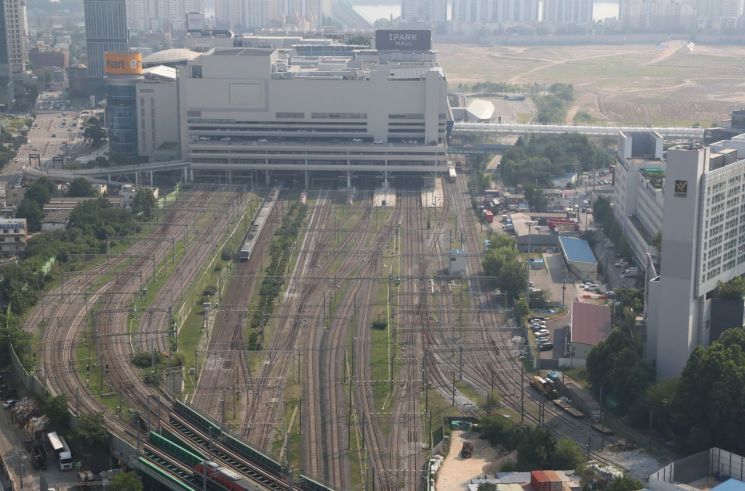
(107,174)
(555,129)
(477,149)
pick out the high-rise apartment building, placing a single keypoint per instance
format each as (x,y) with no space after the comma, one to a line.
(495,12)
(6,78)
(658,15)
(105,30)
(562,12)
(719,14)
(424,10)
(16,32)
(166,15)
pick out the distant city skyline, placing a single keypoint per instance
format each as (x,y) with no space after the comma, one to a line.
(371,12)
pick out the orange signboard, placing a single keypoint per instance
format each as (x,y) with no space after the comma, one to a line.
(123,63)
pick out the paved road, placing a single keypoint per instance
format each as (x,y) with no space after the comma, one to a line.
(55,132)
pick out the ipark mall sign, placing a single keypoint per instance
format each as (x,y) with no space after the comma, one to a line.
(403,39)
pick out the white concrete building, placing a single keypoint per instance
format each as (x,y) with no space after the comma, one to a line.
(16,34)
(637,191)
(244,109)
(158,114)
(703,244)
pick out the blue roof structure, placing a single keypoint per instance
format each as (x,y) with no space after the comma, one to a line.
(577,250)
(730,485)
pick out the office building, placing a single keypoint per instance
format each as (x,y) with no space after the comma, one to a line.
(157,109)
(6,77)
(429,11)
(106,31)
(658,15)
(123,72)
(504,12)
(567,12)
(703,245)
(378,111)
(16,34)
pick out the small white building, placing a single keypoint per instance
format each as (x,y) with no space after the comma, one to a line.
(458,263)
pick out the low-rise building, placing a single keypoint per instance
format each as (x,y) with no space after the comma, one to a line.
(712,469)
(590,324)
(579,256)
(458,262)
(13,236)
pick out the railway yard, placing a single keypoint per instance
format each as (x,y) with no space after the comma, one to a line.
(327,356)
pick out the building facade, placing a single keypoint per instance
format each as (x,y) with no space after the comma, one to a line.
(16,34)
(245,109)
(13,236)
(567,12)
(703,245)
(720,14)
(6,77)
(506,12)
(123,73)
(658,15)
(106,31)
(431,11)
(157,111)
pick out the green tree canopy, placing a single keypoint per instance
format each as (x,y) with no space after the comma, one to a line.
(144,203)
(501,263)
(93,131)
(81,188)
(91,431)
(709,406)
(41,191)
(618,368)
(31,211)
(126,481)
(56,410)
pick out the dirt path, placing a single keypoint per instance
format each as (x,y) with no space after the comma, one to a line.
(518,78)
(671,48)
(456,472)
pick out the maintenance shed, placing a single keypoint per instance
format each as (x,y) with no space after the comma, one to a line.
(579,256)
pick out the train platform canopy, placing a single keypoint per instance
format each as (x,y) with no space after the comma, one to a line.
(579,256)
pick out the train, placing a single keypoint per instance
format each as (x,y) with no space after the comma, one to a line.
(544,386)
(257,457)
(225,477)
(451,173)
(257,225)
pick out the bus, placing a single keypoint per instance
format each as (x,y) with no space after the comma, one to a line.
(58,446)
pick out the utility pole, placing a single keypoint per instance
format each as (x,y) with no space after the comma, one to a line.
(522,390)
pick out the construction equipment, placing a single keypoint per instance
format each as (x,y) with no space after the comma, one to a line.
(467,450)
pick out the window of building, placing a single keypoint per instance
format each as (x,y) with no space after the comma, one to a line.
(196,71)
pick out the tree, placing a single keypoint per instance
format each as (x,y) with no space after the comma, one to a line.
(41,191)
(31,211)
(143,203)
(56,410)
(617,366)
(734,289)
(709,405)
(93,131)
(624,483)
(91,431)
(487,486)
(126,481)
(81,188)
(536,198)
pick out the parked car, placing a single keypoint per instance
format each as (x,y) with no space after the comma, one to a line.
(545,347)
(9,404)
(543,332)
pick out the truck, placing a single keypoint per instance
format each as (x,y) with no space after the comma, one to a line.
(488,216)
(38,456)
(57,446)
(467,451)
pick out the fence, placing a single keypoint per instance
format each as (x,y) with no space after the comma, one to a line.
(28,380)
(713,463)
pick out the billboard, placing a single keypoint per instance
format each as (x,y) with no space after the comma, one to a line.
(403,39)
(129,63)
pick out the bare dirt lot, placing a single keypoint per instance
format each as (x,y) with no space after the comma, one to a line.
(456,472)
(667,84)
